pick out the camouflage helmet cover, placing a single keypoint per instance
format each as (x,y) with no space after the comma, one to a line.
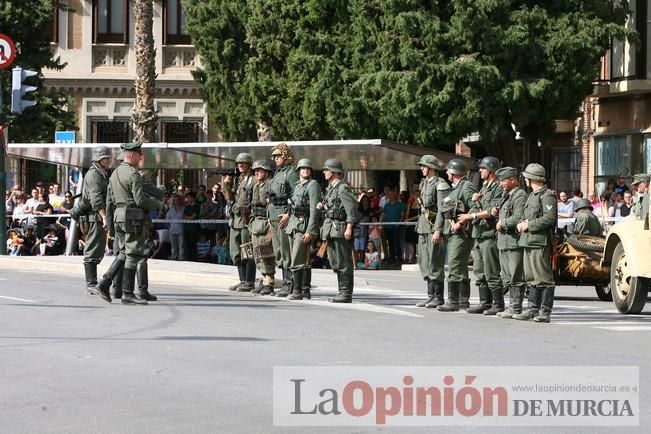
(261,164)
(100,152)
(333,165)
(284,150)
(244,157)
(457,166)
(429,161)
(304,162)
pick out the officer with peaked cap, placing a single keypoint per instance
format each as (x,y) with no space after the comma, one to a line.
(303,228)
(509,213)
(536,232)
(431,253)
(259,227)
(282,185)
(90,211)
(641,183)
(586,223)
(239,193)
(458,237)
(486,264)
(340,215)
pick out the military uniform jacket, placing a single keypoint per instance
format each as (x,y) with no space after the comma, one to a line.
(243,193)
(432,191)
(462,192)
(542,213)
(282,185)
(94,187)
(638,202)
(491,196)
(126,188)
(339,200)
(259,225)
(306,195)
(511,213)
(586,224)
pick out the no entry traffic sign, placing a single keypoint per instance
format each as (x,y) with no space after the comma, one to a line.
(7,51)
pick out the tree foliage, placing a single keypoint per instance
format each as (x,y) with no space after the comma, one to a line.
(426,72)
(29,24)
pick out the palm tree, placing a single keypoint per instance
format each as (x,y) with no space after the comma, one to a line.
(144,115)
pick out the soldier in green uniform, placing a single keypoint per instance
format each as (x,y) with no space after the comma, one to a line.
(457,234)
(536,231)
(303,228)
(641,181)
(431,253)
(586,223)
(131,204)
(239,195)
(282,185)
(340,215)
(486,255)
(259,227)
(90,211)
(509,214)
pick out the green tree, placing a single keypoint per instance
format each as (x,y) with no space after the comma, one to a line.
(29,24)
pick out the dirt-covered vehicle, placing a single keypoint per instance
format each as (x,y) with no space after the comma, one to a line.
(628,255)
(577,262)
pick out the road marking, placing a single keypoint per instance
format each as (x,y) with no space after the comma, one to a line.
(597,322)
(361,306)
(627,328)
(18,299)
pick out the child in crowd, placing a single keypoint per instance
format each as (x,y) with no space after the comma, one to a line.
(372,261)
(220,253)
(49,242)
(14,243)
(375,234)
(203,249)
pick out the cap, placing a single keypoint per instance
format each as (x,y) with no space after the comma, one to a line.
(640,177)
(535,172)
(506,173)
(131,146)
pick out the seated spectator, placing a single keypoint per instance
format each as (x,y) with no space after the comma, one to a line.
(152,244)
(14,242)
(52,242)
(372,260)
(30,242)
(220,252)
(203,249)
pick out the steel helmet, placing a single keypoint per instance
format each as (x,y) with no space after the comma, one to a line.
(457,166)
(582,203)
(100,152)
(333,165)
(430,161)
(489,163)
(261,164)
(304,162)
(244,157)
(535,172)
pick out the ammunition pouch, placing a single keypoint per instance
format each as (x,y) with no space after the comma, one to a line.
(259,211)
(278,201)
(134,219)
(336,214)
(451,214)
(301,211)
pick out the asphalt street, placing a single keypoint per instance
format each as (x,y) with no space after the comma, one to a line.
(200,359)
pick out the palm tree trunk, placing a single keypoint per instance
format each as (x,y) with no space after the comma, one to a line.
(144,115)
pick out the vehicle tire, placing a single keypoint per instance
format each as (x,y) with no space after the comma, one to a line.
(587,243)
(603,292)
(629,293)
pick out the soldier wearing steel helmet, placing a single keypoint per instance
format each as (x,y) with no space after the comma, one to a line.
(281,189)
(458,237)
(90,211)
(536,231)
(337,230)
(431,253)
(260,229)
(239,193)
(303,229)
(486,265)
(585,222)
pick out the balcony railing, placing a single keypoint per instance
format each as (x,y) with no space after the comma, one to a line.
(110,56)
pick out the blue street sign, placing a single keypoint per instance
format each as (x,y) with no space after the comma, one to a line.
(64,137)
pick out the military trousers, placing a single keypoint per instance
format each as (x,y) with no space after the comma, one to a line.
(538,266)
(236,239)
(340,255)
(487,262)
(431,258)
(511,262)
(459,248)
(300,251)
(95,243)
(264,265)
(282,247)
(131,245)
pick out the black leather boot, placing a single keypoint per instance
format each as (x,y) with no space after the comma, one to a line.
(128,286)
(533,306)
(249,277)
(464,294)
(439,295)
(241,272)
(485,300)
(143,283)
(104,285)
(90,270)
(345,295)
(297,285)
(116,289)
(498,302)
(307,283)
(452,305)
(547,304)
(430,295)
(287,284)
